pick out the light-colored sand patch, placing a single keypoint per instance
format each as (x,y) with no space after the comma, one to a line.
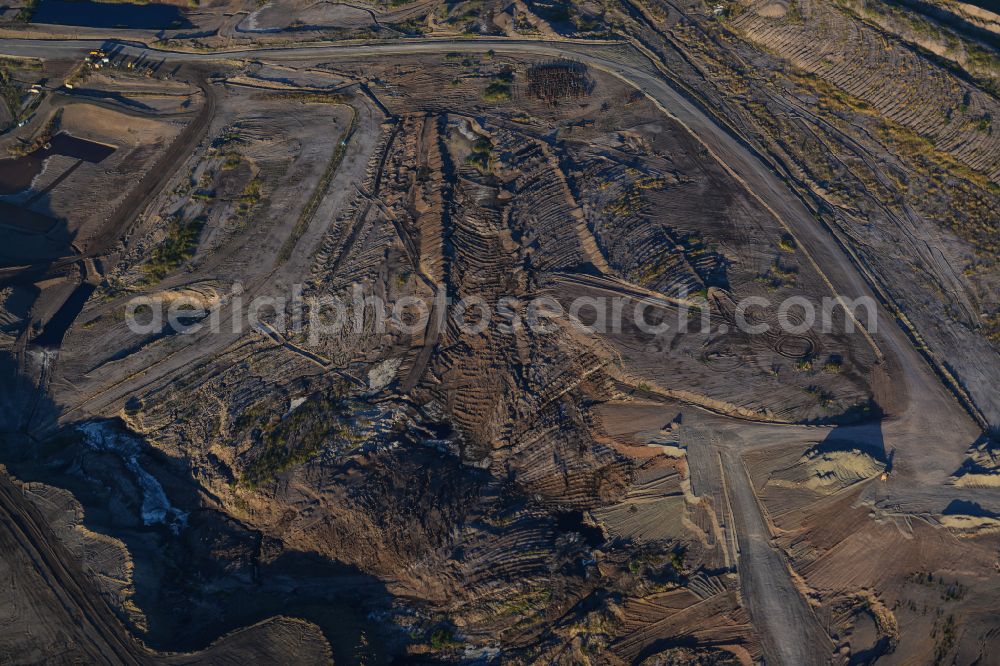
(382,374)
(773,10)
(840,468)
(971,524)
(981,469)
(669,450)
(203,296)
(651,520)
(285,14)
(982,17)
(977,480)
(99,124)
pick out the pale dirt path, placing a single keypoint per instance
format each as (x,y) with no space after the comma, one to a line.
(790,632)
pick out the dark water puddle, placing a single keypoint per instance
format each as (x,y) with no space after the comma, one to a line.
(110,15)
(16,174)
(55,329)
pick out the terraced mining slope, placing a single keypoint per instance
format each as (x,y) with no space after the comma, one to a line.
(889,138)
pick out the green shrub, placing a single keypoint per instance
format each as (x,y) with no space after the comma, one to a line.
(497,91)
(443,639)
(296,438)
(179,246)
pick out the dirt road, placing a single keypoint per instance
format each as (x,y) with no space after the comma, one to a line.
(789,629)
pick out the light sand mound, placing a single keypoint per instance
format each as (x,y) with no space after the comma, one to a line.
(979,16)
(978,480)
(981,469)
(282,15)
(773,10)
(102,125)
(839,468)
(382,374)
(196,296)
(971,524)
(669,450)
